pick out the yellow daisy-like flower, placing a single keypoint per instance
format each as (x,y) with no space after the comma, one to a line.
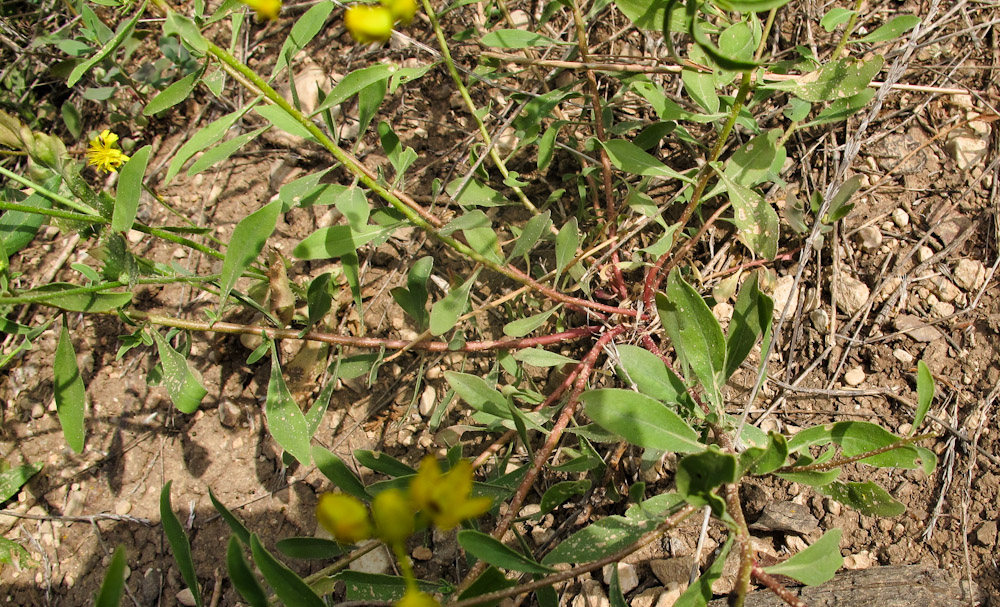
(368,23)
(415,598)
(444,498)
(402,10)
(345,517)
(104,152)
(267,10)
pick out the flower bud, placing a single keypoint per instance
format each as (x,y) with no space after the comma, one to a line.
(368,23)
(393,516)
(402,10)
(345,517)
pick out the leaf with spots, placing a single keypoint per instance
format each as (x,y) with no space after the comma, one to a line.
(285,419)
(835,80)
(756,220)
(179,378)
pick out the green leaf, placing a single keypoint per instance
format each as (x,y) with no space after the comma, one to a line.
(72,119)
(816,564)
(413,299)
(285,419)
(701,86)
(508,38)
(841,109)
(12,553)
(18,228)
(695,334)
(699,593)
(173,94)
(523,326)
(600,539)
(309,548)
(841,78)
(249,238)
(867,498)
(699,475)
(648,14)
(640,420)
(183,386)
(110,593)
(339,474)
(236,525)
(749,6)
(12,480)
(537,357)
(751,318)
(533,230)
(337,241)
(352,84)
(835,17)
(103,301)
(361,586)
(925,394)
(615,597)
(243,579)
(630,158)
(203,139)
(485,548)
(70,393)
(445,312)
(129,190)
(476,392)
(753,162)
(288,586)
(756,220)
(555,495)
(124,31)
(770,458)
(305,29)
(891,30)
(187,30)
(652,377)
(567,241)
(222,151)
(179,544)
(382,462)
(283,121)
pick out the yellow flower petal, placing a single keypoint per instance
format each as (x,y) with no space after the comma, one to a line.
(104,154)
(393,516)
(402,10)
(368,23)
(345,517)
(267,10)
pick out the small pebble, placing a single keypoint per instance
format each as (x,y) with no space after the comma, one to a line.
(427,401)
(855,377)
(904,429)
(422,553)
(870,238)
(902,356)
(186,597)
(901,218)
(924,253)
(123,507)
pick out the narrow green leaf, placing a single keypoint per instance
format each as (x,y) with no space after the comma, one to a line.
(179,544)
(557,494)
(640,420)
(630,158)
(752,163)
(750,6)
(652,377)
(239,530)
(129,190)
(124,31)
(891,30)
(835,17)
(756,220)
(339,474)
(70,393)
(600,539)
(382,462)
(476,392)
(538,357)
(18,228)
(867,498)
(695,334)
(172,95)
(508,38)
(187,30)
(445,312)
(751,317)
(243,579)
(224,150)
(308,548)
(700,593)
(925,394)
(352,84)
(249,238)
(12,480)
(567,241)
(413,299)
(523,326)
(816,564)
(283,121)
(203,139)
(337,241)
(72,119)
(485,548)
(530,235)
(110,593)
(615,597)
(305,29)
(841,109)
(285,419)
(841,78)
(289,587)
(183,386)
(12,553)
(103,301)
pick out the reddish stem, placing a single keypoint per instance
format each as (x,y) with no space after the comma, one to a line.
(775,586)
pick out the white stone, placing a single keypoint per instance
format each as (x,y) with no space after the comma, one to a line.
(520,19)
(123,507)
(852,294)
(782,291)
(967,148)
(901,218)
(942,309)
(855,377)
(229,413)
(945,289)
(723,313)
(628,578)
(375,561)
(870,238)
(647,598)
(904,429)
(861,560)
(668,598)
(427,401)
(924,253)
(902,356)
(820,319)
(969,274)
(675,570)
(591,595)
(186,597)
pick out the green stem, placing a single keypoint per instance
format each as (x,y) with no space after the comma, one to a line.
(107,286)
(469,103)
(847,31)
(12,206)
(76,206)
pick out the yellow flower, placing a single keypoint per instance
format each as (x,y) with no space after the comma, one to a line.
(402,10)
(267,10)
(345,517)
(104,153)
(368,23)
(415,598)
(445,497)
(393,516)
